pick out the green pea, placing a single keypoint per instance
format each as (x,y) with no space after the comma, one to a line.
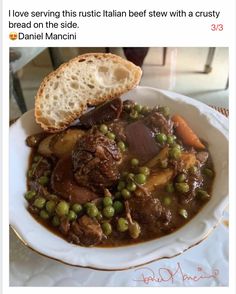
(107,228)
(181,178)
(103,129)
(108,211)
(175,153)
(30,173)
(125,193)
(183,212)
(87,205)
(107,201)
(92,211)
(130,177)
(134,162)
(161,138)
(170,188)
(43,180)
(167,200)
(34,165)
(111,136)
(44,214)
(138,107)
(193,170)
(134,230)
(117,195)
(53,197)
(145,110)
(131,187)
(50,206)
(30,195)
(165,110)
(170,139)
(175,145)
(144,170)
(121,146)
(55,221)
(124,174)
(121,185)
(72,215)
(77,208)
(39,202)
(140,179)
(37,158)
(47,173)
(208,172)
(62,208)
(122,225)
(182,187)
(203,195)
(118,206)
(133,114)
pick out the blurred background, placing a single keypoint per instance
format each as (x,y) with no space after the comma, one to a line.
(200,73)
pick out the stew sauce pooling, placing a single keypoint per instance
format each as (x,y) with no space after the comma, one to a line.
(125,174)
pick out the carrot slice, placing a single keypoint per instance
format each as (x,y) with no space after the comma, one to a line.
(186,133)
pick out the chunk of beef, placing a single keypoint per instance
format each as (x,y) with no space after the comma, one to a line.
(118,128)
(42,166)
(88,231)
(128,104)
(148,211)
(165,217)
(95,161)
(73,238)
(157,122)
(32,209)
(194,181)
(140,141)
(202,156)
(64,184)
(103,113)
(166,223)
(145,210)
(64,226)
(41,190)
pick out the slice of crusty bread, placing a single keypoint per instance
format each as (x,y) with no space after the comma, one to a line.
(88,79)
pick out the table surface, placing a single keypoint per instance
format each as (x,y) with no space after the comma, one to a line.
(203,265)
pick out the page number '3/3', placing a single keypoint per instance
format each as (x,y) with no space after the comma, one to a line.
(217,27)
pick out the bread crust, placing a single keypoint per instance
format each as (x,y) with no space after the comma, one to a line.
(45,122)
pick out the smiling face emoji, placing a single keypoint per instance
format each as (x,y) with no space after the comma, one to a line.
(13,36)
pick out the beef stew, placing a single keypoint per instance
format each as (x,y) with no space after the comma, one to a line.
(112,180)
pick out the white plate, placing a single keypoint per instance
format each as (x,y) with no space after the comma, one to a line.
(208,124)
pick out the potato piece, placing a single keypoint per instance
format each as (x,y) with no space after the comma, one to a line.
(189,160)
(45,146)
(162,155)
(159,178)
(64,142)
